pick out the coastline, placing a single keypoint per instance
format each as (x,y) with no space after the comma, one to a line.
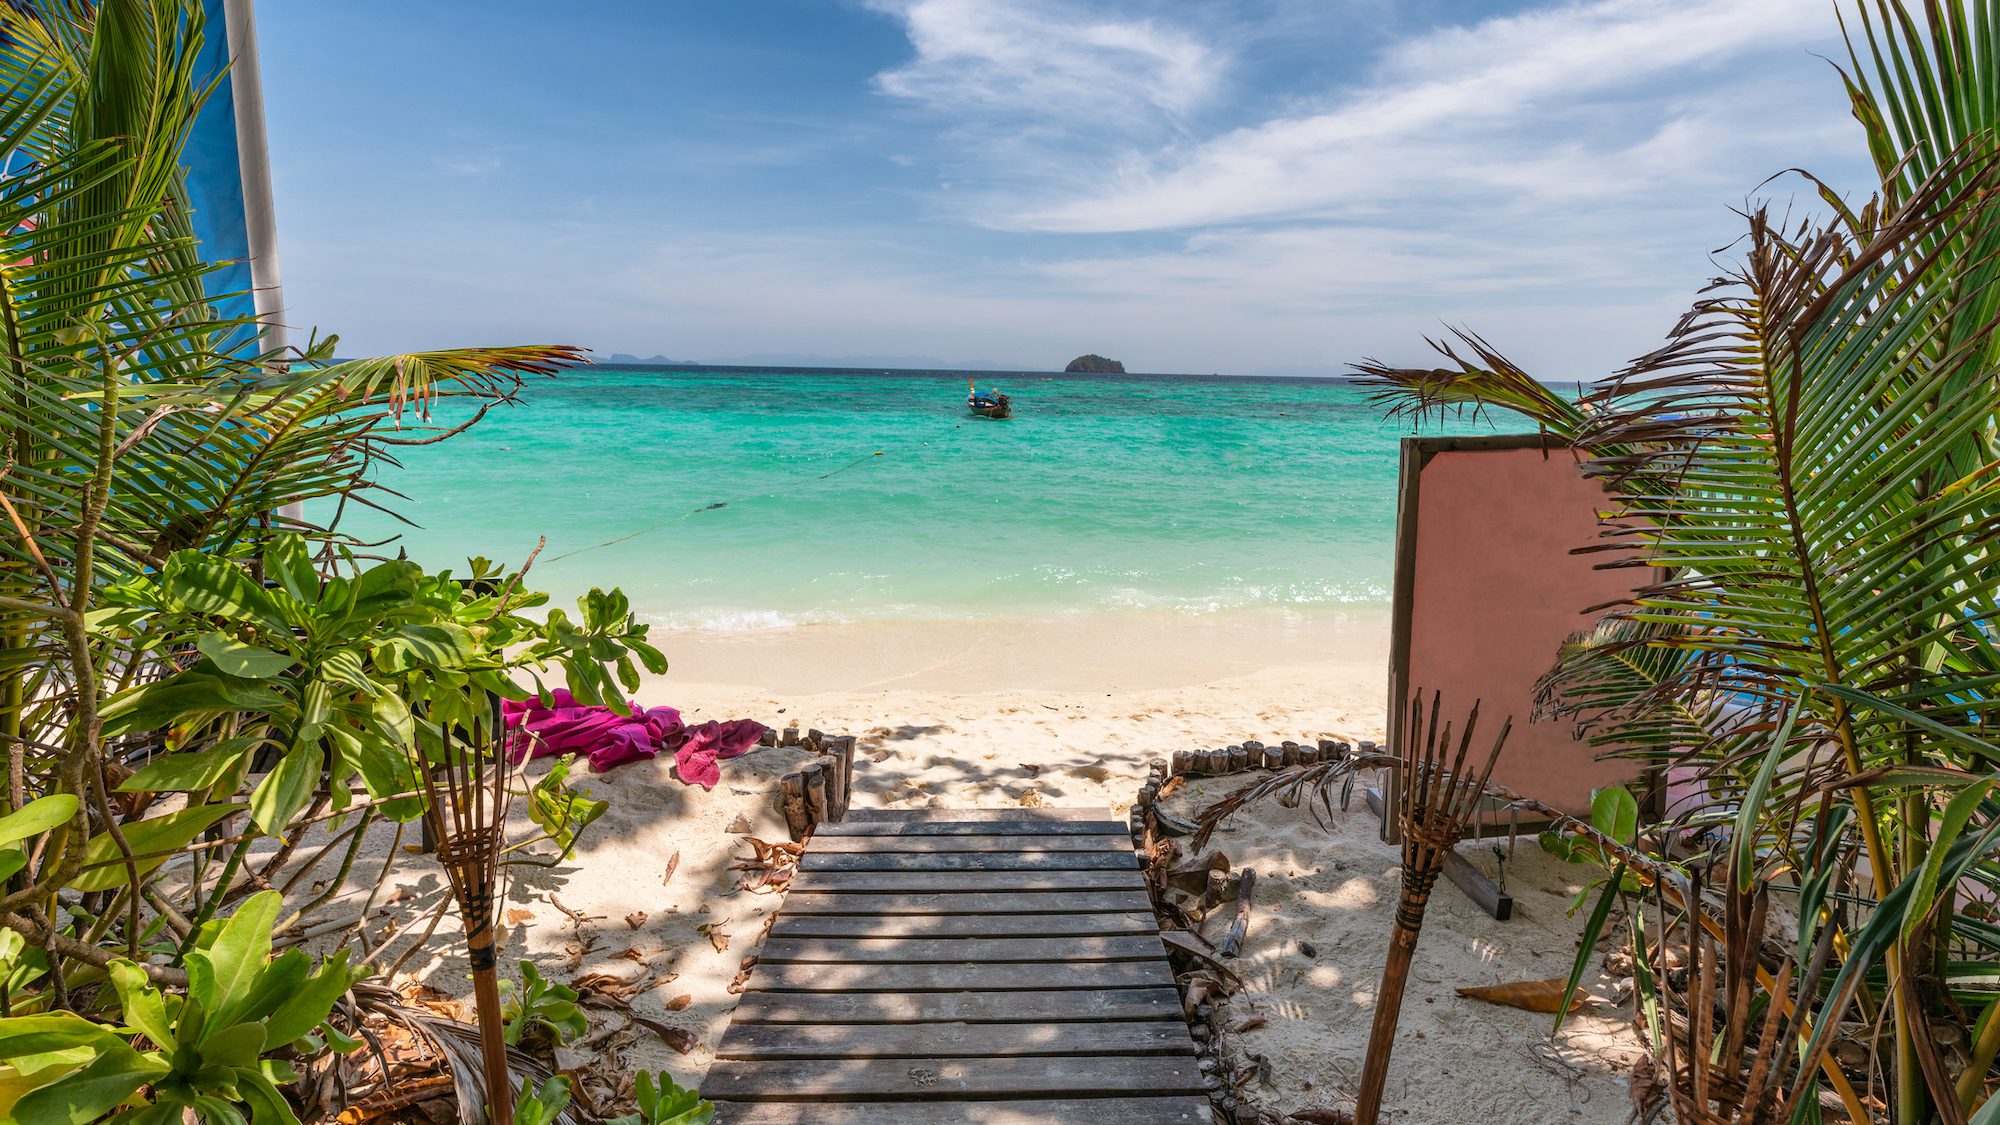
(1060,710)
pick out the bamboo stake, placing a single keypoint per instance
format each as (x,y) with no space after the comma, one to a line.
(1437,801)
(466,814)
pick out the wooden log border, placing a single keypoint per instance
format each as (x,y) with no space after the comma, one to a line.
(821,790)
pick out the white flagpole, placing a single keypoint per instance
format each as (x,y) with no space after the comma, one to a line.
(253,156)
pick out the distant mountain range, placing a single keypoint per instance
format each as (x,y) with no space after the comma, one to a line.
(650,361)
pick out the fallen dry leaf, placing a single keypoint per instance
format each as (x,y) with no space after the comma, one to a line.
(716,936)
(1527,995)
(636,919)
(517,916)
(739,826)
(679,1038)
(679,1002)
(1322,1117)
(1250,1024)
(673,864)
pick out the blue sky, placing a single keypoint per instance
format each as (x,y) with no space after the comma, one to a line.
(1221,185)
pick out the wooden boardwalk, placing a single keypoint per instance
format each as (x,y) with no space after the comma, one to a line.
(962,968)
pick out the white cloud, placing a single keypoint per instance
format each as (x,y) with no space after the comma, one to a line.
(1527,103)
(1049,63)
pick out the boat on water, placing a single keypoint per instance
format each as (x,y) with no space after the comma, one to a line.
(990,404)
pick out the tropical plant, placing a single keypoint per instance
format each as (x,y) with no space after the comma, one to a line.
(204,693)
(662,1101)
(1811,468)
(205,1051)
(540,1004)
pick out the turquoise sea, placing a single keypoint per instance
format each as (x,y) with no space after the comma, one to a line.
(747,498)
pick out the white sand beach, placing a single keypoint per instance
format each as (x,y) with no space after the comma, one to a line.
(1091,703)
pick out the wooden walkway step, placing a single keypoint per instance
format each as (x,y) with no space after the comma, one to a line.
(962,967)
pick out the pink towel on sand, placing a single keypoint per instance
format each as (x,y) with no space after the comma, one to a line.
(609,739)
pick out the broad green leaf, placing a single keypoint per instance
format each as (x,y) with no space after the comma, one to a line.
(309,1005)
(223,976)
(280,980)
(287,559)
(235,1045)
(12,858)
(156,839)
(83,1097)
(187,772)
(143,1009)
(37,817)
(215,587)
(188,696)
(267,1106)
(244,661)
(1615,812)
(286,789)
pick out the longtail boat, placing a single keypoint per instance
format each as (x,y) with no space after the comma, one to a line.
(991,404)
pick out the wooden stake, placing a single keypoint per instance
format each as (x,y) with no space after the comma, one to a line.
(793,803)
(1232,942)
(816,800)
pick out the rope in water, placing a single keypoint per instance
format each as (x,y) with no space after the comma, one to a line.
(800,483)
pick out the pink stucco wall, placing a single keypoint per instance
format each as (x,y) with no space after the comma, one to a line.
(1495,590)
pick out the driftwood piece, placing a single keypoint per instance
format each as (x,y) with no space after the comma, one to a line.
(1180,764)
(1239,758)
(1274,757)
(1232,942)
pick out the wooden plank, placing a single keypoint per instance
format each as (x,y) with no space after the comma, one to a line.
(1037,950)
(921,816)
(798,901)
(971,861)
(848,882)
(932,1078)
(797,925)
(852,827)
(1484,892)
(984,842)
(960,976)
(1075,1006)
(1049,1111)
(954,1040)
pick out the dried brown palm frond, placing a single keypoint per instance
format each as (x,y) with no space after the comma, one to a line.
(467,795)
(1743,1071)
(445,1059)
(1313,785)
(1438,797)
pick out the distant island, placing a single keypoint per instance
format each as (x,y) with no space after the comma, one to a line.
(1095,364)
(655,361)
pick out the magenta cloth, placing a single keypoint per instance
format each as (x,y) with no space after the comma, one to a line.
(702,747)
(609,739)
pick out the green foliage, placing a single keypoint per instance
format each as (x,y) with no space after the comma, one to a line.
(664,1102)
(204,1051)
(163,604)
(542,1106)
(561,810)
(1810,471)
(348,676)
(540,1003)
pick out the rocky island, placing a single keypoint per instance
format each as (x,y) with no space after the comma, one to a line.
(1095,364)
